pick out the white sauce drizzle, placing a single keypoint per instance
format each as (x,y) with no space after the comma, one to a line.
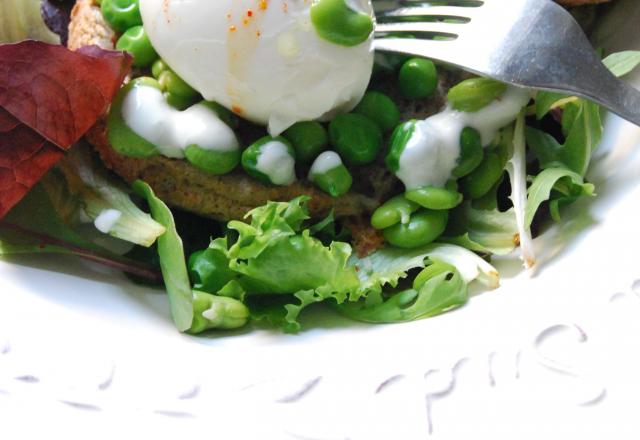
(432,151)
(211,314)
(106,220)
(324,162)
(147,113)
(275,161)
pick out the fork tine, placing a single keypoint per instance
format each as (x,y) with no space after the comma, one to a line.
(436,50)
(439,12)
(438,28)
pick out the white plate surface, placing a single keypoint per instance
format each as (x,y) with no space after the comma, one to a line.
(555,355)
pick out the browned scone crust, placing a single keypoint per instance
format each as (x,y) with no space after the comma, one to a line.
(221,197)
(88,27)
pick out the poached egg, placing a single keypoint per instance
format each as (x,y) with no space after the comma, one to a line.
(262,59)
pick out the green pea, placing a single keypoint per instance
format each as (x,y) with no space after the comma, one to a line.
(336,181)
(173,84)
(211,161)
(475,93)
(471,152)
(380,109)
(136,41)
(158,67)
(423,228)
(309,139)
(121,14)
(418,78)
(211,311)
(179,94)
(395,210)
(251,155)
(390,62)
(482,179)
(336,22)
(399,139)
(432,197)
(356,138)
(124,140)
(209,270)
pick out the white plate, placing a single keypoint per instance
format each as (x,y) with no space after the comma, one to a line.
(85,353)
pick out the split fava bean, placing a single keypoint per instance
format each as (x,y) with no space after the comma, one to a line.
(270,160)
(211,161)
(484,177)
(423,227)
(211,311)
(395,210)
(435,198)
(330,175)
(122,139)
(336,22)
(399,139)
(214,151)
(475,93)
(471,152)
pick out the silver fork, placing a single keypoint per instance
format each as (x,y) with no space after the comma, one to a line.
(531,43)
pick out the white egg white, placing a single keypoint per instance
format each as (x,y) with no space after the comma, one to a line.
(260,58)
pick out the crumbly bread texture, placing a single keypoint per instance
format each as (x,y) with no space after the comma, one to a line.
(224,197)
(88,27)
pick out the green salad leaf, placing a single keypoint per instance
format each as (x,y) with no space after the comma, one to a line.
(95,192)
(622,63)
(619,63)
(517,170)
(583,136)
(34,226)
(484,231)
(37,213)
(172,259)
(569,184)
(437,289)
(387,266)
(276,255)
(21,20)
(582,126)
(544,147)
(547,101)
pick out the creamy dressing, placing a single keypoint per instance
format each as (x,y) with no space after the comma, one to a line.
(275,161)
(324,162)
(106,220)
(211,314)
(432,152)
(146,111)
